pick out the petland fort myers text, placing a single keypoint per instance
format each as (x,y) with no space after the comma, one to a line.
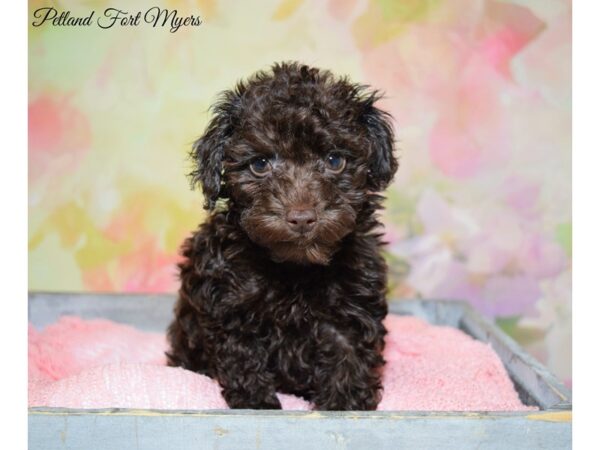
(114,17)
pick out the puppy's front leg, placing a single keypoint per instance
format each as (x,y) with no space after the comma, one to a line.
(243,375)
(348,376)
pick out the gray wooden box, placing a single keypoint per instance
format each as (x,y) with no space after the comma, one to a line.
(58,428)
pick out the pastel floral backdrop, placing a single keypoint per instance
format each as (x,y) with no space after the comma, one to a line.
(480,91)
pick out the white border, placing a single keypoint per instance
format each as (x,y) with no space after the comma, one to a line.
(13,164)
(586,236)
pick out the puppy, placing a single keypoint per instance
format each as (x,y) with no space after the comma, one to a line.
(283,286)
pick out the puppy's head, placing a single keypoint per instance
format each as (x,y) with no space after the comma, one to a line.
(299,154)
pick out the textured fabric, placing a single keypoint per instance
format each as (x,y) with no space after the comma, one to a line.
(100,364)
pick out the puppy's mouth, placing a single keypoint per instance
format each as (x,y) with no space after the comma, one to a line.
(304,254)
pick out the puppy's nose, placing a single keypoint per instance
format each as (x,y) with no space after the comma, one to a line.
(301,220)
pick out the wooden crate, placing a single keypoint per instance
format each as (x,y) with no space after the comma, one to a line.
(58,428)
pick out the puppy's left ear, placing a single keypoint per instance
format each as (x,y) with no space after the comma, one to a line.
(209,150)
(380,133)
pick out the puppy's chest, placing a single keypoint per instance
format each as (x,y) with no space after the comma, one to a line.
(301,304)
(301,318)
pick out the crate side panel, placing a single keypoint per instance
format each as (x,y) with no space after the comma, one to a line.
(145,312)
(293,432)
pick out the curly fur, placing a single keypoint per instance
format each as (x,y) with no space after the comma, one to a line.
(263,308)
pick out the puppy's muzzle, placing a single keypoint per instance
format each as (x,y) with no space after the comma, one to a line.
(301,220)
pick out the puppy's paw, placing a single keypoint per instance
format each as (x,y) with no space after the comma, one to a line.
(248,400)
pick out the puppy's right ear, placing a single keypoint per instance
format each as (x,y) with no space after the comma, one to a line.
(209,150)
(383,164)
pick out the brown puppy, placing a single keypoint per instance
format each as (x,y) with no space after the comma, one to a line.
(283,287)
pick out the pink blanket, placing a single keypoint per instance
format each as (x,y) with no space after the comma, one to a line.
(79,363)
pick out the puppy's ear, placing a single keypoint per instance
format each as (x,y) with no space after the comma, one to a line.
(209,150)
(380,133)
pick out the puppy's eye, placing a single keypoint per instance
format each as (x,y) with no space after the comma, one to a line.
(335,163)
(260,167)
